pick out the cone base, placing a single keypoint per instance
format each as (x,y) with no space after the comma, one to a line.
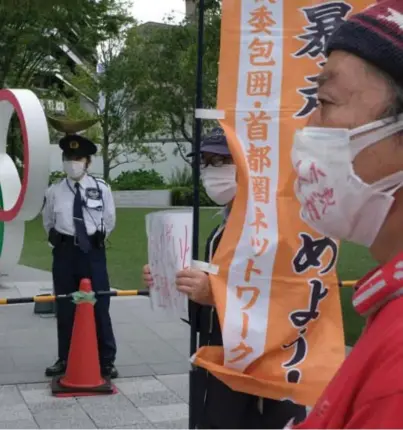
(59,390)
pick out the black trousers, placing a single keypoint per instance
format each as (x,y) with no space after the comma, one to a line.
(70,265)
(217,406)
(225,408)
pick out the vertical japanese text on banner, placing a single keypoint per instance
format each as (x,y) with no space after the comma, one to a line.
(322,20)
(260,71)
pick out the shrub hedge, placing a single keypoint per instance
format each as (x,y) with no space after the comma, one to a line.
(180,186)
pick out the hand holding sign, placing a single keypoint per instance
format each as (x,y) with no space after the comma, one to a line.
(147,278)
(169,252)
(196,285)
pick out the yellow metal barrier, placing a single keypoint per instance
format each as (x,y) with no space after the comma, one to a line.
(116,293)
(347,283)
(50,298)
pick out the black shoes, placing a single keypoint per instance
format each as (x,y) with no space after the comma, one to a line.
(109,371)
(59,368)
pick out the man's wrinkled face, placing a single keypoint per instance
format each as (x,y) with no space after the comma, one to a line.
(351,93)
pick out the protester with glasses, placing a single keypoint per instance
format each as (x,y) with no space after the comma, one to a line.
(222,407)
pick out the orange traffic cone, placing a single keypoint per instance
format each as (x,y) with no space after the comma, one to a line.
(83,374)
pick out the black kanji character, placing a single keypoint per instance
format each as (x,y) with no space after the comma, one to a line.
(310,94)
(301,349)
(311,252)
(301,318)
(324,19)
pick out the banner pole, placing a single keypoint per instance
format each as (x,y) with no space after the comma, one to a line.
(193,307)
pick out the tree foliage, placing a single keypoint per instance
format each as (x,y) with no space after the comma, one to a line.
(35,31)
(34,34)
(114,92)
(148,82)
(169,54)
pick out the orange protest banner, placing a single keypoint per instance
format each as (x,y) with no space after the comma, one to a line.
(276,293)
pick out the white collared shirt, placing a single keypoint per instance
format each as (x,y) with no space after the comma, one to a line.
(98,210)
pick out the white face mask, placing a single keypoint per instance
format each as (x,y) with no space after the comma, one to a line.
(74,169)
(220,183)
(335,201)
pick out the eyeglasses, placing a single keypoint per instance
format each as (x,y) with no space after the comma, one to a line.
(215,161)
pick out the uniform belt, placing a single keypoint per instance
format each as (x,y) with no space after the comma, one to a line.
(72,240)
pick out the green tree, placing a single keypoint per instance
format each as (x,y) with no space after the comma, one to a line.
(35,32)
(169,53)
(123,127)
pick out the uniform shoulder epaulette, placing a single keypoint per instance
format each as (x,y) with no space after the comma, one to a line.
(57,182)
(102,181)
(53,184)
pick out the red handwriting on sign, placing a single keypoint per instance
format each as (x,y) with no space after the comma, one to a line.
(169,252)
(242,351)
(164,293)
(168,231)
(184,247)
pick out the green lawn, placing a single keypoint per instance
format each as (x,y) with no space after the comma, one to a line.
(127,252)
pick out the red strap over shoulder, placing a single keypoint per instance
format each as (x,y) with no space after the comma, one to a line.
(379,287)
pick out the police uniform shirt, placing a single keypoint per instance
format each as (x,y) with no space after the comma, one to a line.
(98,206)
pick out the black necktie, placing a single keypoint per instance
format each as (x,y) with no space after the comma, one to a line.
(79,225)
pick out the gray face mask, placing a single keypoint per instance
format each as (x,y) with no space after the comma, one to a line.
(220,183)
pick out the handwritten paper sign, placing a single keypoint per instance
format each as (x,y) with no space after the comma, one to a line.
(169,251)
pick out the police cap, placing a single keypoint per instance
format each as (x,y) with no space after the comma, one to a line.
(77,146)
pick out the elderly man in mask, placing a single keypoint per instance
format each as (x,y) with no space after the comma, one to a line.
(354,143)
(222,407)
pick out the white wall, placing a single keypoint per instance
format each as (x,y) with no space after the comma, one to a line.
(164,168)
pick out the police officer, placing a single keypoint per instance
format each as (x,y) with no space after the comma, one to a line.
(78,214)
(221,406)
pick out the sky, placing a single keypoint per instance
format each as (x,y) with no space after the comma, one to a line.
(156,10)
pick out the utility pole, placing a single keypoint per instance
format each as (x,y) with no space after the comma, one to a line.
(195,374)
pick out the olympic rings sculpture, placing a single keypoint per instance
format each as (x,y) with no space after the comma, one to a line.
(21,201)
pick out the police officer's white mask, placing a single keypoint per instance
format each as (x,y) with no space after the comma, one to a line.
(220,183)
(74,169)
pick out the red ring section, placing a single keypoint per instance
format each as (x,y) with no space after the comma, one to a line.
(11,214)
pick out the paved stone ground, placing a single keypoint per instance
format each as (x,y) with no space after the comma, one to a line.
(152,361)
(142,402)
